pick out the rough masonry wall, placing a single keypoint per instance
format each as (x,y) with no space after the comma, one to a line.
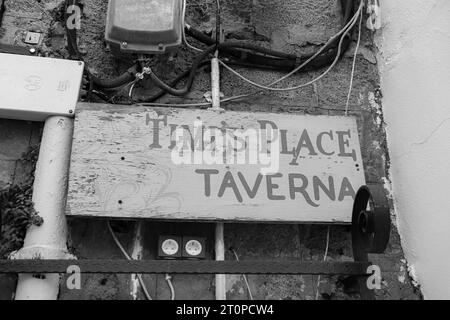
(293,26)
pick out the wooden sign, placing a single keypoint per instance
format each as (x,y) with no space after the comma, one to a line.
(170,164)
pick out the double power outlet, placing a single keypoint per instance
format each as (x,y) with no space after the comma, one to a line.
(181,247)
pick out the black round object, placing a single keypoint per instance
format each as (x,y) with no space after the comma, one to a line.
(371,227)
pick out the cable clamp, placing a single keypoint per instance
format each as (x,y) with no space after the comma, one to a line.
(145,71)
(374,12)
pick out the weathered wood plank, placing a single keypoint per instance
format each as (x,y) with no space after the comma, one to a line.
(124,165)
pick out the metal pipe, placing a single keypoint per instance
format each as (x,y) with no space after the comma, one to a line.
(221,285)
(48,241)
(215,84)
(136,254)
(221,291)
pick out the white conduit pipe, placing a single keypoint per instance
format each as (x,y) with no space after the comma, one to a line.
(221,291)
(221,284)
(215,84)
(49,196)
(136,254)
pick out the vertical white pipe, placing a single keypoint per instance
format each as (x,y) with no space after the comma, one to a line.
(215,84)
(49,196)
(136,254)
(221,291)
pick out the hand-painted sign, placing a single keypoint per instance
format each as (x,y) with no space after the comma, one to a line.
(164,163)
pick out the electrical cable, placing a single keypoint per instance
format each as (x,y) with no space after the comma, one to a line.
(183,91)
(183,31)
(354,64)
(228,45)
(169,283)
(180,77)
(324,259)
(218,31)
(244,55)
(124,252)
(183,75)
(244,276)
(338,55)
(200,36)
(285,61)
(119,81)
(2,12)
(342,32)
(279,62)
(187,87)
(237,44)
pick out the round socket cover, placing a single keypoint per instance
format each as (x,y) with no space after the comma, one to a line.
(170,247)
(193,248)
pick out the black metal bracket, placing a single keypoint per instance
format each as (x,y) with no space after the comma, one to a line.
(184,267)
(371,226)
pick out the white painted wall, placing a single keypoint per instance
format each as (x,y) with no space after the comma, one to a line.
(414,46)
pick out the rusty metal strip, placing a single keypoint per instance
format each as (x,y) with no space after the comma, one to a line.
(185,267)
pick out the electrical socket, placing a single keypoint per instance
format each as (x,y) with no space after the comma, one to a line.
(194,247)
(169,247)
(185,247)
(32,38)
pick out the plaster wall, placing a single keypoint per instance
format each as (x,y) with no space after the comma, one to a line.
(414,62)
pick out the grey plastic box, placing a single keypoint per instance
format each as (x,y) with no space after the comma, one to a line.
(34,88)
(144,26)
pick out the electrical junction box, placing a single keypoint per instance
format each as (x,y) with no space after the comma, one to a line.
(34,88)
(144,26)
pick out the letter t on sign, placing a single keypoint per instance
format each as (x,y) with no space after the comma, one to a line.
(156,122)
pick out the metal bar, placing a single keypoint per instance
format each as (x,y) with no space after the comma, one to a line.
(185,267)
(221,280)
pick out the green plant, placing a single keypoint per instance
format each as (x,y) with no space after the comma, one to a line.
(17,210)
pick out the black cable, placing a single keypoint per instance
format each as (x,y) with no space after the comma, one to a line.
(200,59)
(243,54)
(256,60)
(71,32)
(202,37)
(173,84)
(2,12)
(263,57)
(218,31)
(183,75)
(187,87)
(123,79)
